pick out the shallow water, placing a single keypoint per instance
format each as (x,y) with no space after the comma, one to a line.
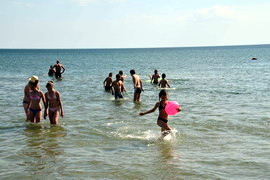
(222,132)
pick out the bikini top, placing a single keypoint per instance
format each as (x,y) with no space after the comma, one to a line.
(50,98)
(34,97)
(161,106)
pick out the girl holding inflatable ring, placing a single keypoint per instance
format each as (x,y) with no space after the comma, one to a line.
(162,120)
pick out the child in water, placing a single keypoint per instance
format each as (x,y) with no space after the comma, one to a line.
(154,78)
(163,83)
(162,120)
(53,103)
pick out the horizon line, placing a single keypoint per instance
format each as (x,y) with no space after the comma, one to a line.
(165,47)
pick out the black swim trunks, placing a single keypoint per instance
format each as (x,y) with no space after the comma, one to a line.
(138,90)
(57,75)
(108,88)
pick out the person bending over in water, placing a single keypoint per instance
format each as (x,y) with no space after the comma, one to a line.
(53,103)
(51,71)
(118,87)
(26,98)
(58,67)
(137,83)
(162,120)
(154,78)
(163,83)
(35,108)
(122,76)
(107,83)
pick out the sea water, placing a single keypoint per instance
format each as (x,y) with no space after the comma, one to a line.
(222,131)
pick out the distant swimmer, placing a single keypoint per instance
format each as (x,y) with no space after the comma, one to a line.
(51,71)
(163,83)
(254,58)
(107,83)
(118,88)
(137,84)
(162,120)
(53,104)
(58,69)
(27,90)
(154,78)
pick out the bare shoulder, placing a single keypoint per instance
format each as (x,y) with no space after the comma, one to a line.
(157,104)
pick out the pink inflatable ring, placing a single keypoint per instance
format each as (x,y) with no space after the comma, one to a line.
(172,108)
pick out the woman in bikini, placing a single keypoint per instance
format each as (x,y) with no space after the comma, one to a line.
(34,106)
(154,78)
(162,120)
(27,90)
(53,103)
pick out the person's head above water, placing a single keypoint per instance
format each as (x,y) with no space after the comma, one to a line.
(163,75)
(132,71)
(49,84)
(156,71)
(121,72)
(33,79)
(163,94)
(117,76)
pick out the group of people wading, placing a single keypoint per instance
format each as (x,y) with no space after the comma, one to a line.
(51,99)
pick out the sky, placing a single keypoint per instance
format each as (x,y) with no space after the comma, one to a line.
(133,23)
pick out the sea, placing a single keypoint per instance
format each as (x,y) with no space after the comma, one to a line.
(222,132)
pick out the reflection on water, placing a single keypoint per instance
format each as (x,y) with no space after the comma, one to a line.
(166,151)
(42,149)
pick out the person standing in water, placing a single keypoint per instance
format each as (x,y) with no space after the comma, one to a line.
(154,78)
(162,120)
(122,77)
(137,83)
(107,83)
(163,83)
(53,104)
(34,106)
(58,69)
(26,98)
(118,88)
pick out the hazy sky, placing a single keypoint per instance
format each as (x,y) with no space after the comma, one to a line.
(132,23)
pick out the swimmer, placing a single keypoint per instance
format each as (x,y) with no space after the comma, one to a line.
(154,78)
(163,83)
(118,88)
(53,103)
(34,106)
(51,71)
(162,120)
(58,67)
(137,84)
(107,83)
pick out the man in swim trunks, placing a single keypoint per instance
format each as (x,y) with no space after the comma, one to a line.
(118,87)
(58,67)
(137,82)
(107,83)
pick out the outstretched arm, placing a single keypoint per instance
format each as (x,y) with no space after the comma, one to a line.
(151,110)
(63,69)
